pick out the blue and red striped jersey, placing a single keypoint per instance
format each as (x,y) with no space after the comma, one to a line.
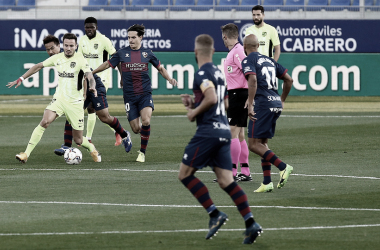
(135,71)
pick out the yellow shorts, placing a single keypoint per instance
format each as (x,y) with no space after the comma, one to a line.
(72,110)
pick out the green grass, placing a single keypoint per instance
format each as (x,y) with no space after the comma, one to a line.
(105,205)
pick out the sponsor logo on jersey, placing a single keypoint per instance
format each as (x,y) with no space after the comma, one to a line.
(89,55)
(246,69)
(262,43)
(135,66)
(145,55)
(219,125)
(65,74)
(127,55)
(72,64)
(275,110)
(95,46)
(229,69)
(264,33)
(273,98)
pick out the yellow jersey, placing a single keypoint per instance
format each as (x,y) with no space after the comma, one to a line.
(267,36)
(96,51)
(68,70)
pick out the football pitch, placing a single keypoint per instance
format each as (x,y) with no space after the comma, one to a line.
(331,201)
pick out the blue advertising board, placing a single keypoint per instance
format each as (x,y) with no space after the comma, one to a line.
(319,36)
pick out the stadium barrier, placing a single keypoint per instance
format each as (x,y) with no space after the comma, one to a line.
(315,74)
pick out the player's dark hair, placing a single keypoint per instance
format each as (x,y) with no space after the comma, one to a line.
(69,36)
(258,7)
(230,30)
(140,29)
(50,38)
(91,20)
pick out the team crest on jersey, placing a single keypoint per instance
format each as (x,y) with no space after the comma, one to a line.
(72,64)
(145,55)
(264,34)
(95,46)
(229,69)
(127,55)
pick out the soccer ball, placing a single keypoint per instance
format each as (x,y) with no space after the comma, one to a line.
(73,156)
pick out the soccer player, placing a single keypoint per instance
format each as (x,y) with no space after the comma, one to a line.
(67,99)
(96,48)
(237,101)
(137,87)
(267,34)
(264,108)
(210,145)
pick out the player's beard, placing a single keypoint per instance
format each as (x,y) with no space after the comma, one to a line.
(258,22)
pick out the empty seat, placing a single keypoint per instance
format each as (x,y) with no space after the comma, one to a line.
(356,3)
(95,5)
(207,2)
(183,5)
(185,2)
(229,2)
(271,5)
(163,2)
(294,5)
(25,4)
(246,5)
(6,4)
(317,5)
(338,5)
(116,5)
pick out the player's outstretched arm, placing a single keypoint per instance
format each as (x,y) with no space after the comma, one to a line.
(165,75)
(288,82)
(92,87)
(252,88)
(28,73)
(102,67)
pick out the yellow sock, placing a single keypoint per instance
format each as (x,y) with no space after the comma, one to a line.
(87,145)
(91,120)
(34,139)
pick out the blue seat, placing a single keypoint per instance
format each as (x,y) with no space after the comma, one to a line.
(205,5)
(294,5)
(227,5)
(116,5)
(317,5)
(207,2)
(271,5)
(356,3)
(6,4)
(25,5)
(163,2)
(95,5)
(138,5)
(338,5)
(160,5)
(246,5)
(229,2)
(183,5)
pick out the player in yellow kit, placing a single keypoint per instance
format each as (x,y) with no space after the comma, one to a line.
(96,49)
(67,100)
(265,33)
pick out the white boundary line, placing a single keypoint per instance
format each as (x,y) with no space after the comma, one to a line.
(172,171)
(292,116)
(181,206)
(186,231)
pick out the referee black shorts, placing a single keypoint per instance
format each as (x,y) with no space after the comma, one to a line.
(236,113)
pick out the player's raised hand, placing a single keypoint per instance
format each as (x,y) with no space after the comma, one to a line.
(251,113)
(173,82)
(17,83)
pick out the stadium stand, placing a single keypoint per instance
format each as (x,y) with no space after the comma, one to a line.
(6,4)
(25,5)
(227,5)
(139,5)
(339,5)
(183,5)
(272,5)
(95,5)
(317,5)
(294,5)
(246,5)
(357,3)
(116,5)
